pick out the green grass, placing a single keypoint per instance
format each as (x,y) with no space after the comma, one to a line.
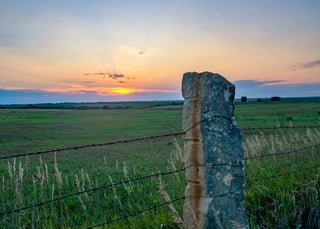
(267,114)
(282,189)
(283,201)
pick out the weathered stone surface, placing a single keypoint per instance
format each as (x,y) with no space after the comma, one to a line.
(213,154)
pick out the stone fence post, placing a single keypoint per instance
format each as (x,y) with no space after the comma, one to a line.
(213,154)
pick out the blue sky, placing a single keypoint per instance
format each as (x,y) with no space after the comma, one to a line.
(57,51)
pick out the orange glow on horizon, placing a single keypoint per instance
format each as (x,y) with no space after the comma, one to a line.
(121,90)
(105,91)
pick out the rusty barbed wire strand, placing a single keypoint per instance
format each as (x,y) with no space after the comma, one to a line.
(91,145)
(144,138)
(158,206)
(111,143)
(265,207)
(279,128)
(238,164)
(275,201)
(282,174)
(113,185)
(91,190)
(282,153)
(133,214)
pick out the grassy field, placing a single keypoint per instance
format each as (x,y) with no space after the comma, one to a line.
(281,201)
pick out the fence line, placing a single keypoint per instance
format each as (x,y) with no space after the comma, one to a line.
(91,190)
(236,164)
(278,128)
(141,139)
(139,179)
(146,177)
(249,183)
(158,206)
(155,206)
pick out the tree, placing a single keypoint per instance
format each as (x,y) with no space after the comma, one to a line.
(275,98)
(244,99)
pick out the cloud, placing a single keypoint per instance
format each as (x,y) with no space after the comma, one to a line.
(254,83)
(266,89)
(75,81)
(87,82)
(113,76)
(310,64)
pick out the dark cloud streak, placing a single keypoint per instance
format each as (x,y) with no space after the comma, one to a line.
(310,64)
(113,76)
(254,83)
(264,89)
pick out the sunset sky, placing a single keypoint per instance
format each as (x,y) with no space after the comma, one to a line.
(115,50)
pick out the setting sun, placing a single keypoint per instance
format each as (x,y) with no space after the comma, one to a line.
(122,90)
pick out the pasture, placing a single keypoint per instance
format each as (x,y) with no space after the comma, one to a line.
(282,165)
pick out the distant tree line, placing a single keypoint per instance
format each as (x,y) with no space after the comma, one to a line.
(273,99)
(89,106)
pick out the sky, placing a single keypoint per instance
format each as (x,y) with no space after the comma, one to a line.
(124,50)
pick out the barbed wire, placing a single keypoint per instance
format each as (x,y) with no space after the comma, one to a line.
(114,142)
(278,128)
(92,145)
(159,174)
(162,173)
(275,201)
(283,174)
(282,153)
(265,207)
(133,214)
(160,205)
(144,138)
(233,164)
(114,185)
(236,164)
(90,190)
(239,164)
